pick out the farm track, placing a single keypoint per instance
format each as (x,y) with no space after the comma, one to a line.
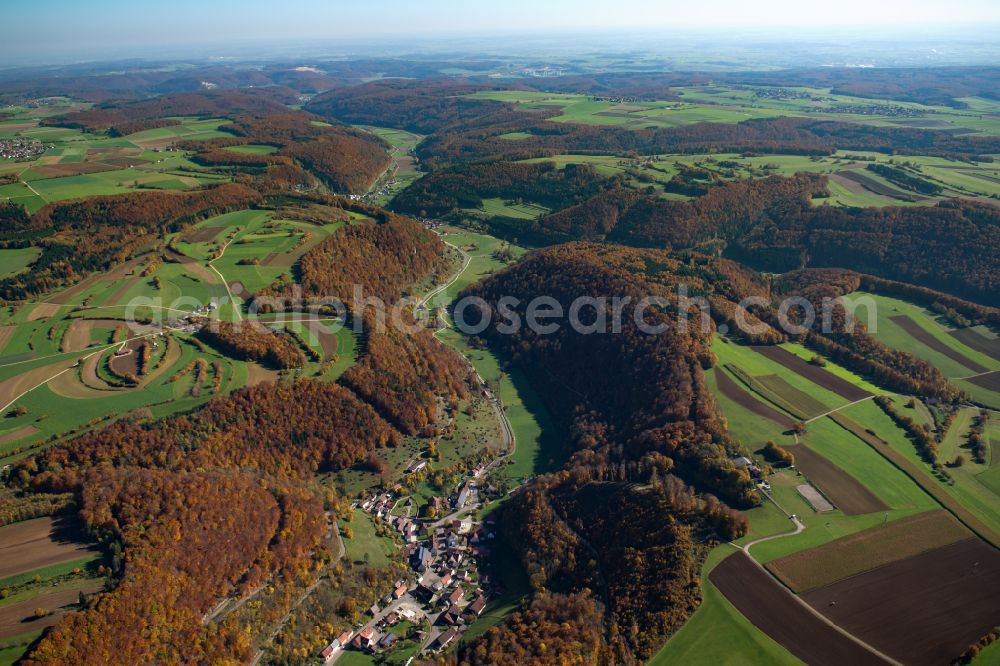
(229,293)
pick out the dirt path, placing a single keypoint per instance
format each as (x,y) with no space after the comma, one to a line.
(229,293)
(837,409)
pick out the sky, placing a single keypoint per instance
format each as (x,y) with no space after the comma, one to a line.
(34,28)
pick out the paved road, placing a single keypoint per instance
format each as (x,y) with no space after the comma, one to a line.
(799,527)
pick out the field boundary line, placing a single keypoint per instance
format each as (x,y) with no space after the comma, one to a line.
(927,484)
(799,528)
(834,411)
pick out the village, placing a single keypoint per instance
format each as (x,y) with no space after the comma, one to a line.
(444,592)
(20,149)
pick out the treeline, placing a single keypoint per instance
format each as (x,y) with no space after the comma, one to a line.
(952,247)
(345,159)
(465,186)
(186,539)
(126,128)
(122,118)
(382,258)
(281,430)
(404,376)
(575,535)
(653,399)
(85,235)
(904,179)
(790,136)
(845,338)
(251,341)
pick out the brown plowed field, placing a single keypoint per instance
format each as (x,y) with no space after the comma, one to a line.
(974,340)
(868,549)
(727,387)
(989,381)
(815,374)
(20,433)
(847,493)
(877,187)
(5,334)
(925,609)
(921,335)
(774,610)
(33,544)
(202,234)
(43,311)
(19,618)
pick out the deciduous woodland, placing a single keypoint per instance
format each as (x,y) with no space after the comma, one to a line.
(771,224)
(146,114)
(383,258)
(405,376)
(156,488)
(86,235)
(255,343)
(627,462)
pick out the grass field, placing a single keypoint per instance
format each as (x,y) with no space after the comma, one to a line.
(699,640)
(890,332)
(14,261)
(867,550)
(537,444)
(254,149)
(366,545)
(746,426)
(77,164)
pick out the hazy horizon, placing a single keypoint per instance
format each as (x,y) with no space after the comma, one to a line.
(50,31)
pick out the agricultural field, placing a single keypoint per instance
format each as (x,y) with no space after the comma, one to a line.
(922,609)
(46,568)
(403,169)
(726,104)
(62,359)
(76,164)
(968,357)
(867,550)
(851,183)
(889,509)
(14,261)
